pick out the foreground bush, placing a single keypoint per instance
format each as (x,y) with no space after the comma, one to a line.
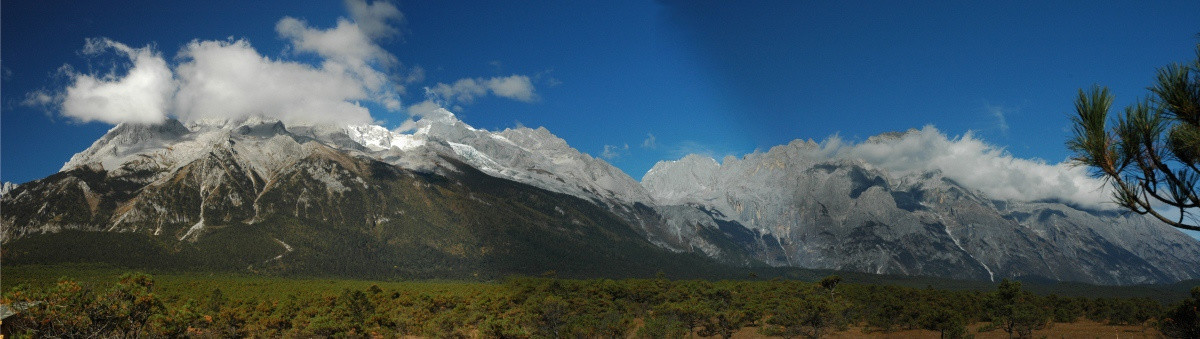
(1183,320)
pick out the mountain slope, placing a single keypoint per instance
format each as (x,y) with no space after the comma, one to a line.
(260,197)
(447,200)
(845,214)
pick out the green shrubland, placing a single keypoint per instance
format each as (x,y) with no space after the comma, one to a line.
(227,305)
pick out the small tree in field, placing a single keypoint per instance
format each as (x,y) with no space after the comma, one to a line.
(948,322)
(1015,311)
(809,315)
(830,283)
(1183,320)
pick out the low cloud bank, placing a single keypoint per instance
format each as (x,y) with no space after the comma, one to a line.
(977,165)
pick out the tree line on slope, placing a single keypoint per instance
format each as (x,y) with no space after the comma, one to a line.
(551,308)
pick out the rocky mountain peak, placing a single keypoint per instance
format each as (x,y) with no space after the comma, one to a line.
(531,156)
(7,187)
(125,139)
(262,129)
(682,181)
(890,137)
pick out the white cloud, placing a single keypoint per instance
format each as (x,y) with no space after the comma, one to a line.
(415,75)
(978,165)
(230,80)
(427,109)
(378,19)
(465,91)
(424,109)
(651,142)
(544,77)
(346,43)
(998,113)
(612,152)
(347,48)
(516,87)
(141,95)
(462,91)
(40,98)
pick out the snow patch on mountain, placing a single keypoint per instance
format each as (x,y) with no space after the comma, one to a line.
(130,142)
(378,138)
(475,157)
(7,187)
(131,149)
(193,233)
(531,156)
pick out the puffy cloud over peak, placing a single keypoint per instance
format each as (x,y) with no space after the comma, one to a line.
(977,165)
(465,91)
(516,87)
(345,43)
(139,96)
(425,112)
(461,91)
(378,19)
(347,48)
(231,80)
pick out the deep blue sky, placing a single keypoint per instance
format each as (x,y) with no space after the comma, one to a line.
(718,78)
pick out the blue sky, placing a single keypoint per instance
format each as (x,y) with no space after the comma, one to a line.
(722,78)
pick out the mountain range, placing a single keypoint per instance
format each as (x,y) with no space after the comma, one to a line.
(444,199)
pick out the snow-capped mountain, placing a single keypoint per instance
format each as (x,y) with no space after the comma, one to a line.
(844,213)
(532,156)
(442,198)
(259,195)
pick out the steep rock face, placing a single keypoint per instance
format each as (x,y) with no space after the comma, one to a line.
(80,198)
(7,187)
(846,214)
